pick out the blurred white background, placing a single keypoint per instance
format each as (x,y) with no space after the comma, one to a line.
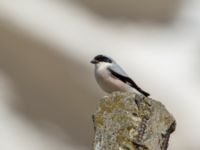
(47,86)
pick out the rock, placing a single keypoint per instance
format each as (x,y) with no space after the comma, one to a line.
(127,121)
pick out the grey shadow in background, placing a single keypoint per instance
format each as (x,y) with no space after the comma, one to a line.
(50,87)
(133,10)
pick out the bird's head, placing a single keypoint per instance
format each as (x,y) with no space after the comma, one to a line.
(101,59)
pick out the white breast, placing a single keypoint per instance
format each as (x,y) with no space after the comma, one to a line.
(107,81)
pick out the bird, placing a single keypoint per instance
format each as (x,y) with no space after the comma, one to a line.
(111,77)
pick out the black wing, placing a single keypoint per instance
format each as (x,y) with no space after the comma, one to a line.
(128,80)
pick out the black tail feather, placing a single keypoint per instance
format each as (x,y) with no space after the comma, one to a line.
(134,85)
(144,93)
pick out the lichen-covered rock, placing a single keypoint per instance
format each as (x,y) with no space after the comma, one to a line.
(127,121)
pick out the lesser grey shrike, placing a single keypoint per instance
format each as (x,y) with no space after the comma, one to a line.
(111,77)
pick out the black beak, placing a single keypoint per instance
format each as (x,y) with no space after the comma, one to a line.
(94,61)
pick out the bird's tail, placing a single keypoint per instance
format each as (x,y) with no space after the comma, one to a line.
(141,90)
(144,93)
(134,85)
